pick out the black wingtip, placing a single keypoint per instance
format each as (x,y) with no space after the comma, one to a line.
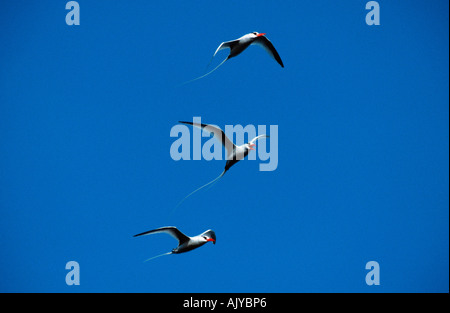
(140,234)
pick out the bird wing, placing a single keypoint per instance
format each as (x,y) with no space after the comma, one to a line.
(171,230)
(217,132)
(226,44)
(258,137)
(268,46)
(223,45)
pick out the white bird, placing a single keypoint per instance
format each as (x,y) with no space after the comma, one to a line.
(185,243)
(237,46)
(234,153)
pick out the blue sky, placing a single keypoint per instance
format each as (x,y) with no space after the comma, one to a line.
(362,115)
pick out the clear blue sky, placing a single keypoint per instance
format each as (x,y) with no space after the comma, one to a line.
(363,172)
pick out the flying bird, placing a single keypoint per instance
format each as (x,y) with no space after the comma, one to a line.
(234,153)
(237,46)
(185,243)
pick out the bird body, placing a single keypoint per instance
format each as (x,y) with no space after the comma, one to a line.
(185,243)
(237,46)
(237,154)
(234,153)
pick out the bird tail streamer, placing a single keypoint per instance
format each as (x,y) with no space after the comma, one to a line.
(211,182)
(193,80)
(167,253)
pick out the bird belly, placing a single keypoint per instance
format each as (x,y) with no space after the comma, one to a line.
(234,158)
(188,246)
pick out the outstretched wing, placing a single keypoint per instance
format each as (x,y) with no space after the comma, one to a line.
(226,44)
(217,132)
(258,137)
(268,46)
(171,230)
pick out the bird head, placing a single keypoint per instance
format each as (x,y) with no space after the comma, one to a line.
(206,238)
(258,34)
(250,146)
(209,235)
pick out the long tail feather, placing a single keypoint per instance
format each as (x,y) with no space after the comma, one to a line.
(192,80)
(213,181)
(158,256)
(209,63)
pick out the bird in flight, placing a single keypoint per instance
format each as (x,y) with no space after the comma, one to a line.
(237,46)
(234,153)
(185,243)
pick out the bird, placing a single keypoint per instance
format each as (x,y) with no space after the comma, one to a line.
(237,46)
(185,243)
(234,153)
